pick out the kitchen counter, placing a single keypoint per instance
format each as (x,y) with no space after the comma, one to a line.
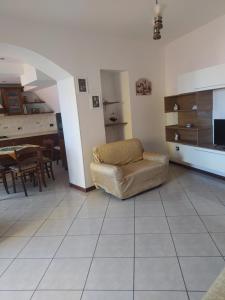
(27,135)
(36,138)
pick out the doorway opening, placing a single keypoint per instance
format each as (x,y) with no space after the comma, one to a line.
(64,86)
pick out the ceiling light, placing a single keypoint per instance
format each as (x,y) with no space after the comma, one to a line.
(158,21)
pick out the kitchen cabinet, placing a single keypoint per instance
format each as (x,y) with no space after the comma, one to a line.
(12,100)
(203,79)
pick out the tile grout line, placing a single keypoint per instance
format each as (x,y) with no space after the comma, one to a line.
(19,218)
(51,259)
(92,258)
(185,192)
(16,257)
(174,247)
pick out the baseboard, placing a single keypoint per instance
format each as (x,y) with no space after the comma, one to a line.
(198,170)
(79,188)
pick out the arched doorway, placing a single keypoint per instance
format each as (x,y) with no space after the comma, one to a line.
(68,105)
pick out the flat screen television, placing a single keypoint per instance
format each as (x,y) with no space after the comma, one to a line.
(219,132)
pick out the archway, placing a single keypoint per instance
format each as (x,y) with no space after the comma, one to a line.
(68,106)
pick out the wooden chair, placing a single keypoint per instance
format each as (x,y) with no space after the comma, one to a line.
(48,157)
(28,164)
(3,178)
(5,164)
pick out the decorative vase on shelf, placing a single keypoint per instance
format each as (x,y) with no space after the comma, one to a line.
(176,107)
(176,137)
(113,118)
(194,107)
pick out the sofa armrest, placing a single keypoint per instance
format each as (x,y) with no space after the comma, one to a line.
(162,158)
(107,170)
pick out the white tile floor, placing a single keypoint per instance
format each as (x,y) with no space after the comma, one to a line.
(165,244)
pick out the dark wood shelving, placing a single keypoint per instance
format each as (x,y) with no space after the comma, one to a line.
(35,102)
(40,113)
(201,119)
(183,142)
(178,127)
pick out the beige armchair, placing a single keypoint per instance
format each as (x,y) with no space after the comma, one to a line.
(217,290)
(123,169)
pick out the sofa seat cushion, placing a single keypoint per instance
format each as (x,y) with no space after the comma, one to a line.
(119,153)
(142,171)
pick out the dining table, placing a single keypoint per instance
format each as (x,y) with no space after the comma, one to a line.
(8,155)
(9,151)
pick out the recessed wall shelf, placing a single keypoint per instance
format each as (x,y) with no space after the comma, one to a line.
(116,124)
(110,103)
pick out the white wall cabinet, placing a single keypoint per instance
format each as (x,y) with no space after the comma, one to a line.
(204,79)
(209,160)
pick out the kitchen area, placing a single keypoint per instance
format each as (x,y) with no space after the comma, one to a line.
(27,121)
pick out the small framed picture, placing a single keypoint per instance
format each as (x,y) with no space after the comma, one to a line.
(143,87)
(82,85)
(95,102)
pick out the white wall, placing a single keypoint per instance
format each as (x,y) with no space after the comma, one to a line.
(85,55)
(202,48)
(50,96)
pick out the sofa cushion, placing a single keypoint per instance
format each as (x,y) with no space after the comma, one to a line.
(119,153)
(142,171)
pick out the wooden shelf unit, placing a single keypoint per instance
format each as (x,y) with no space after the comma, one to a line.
(201,118)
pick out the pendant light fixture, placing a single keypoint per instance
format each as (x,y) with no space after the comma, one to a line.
(158,21)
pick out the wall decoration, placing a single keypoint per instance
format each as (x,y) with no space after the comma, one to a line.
(95,102)
(143,87)
(82,85)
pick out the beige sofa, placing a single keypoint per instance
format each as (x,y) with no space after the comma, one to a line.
(217,290)
(124,169)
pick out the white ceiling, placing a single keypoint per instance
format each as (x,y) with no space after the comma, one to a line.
(130,18)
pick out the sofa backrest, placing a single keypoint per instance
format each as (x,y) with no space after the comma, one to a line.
(119,153)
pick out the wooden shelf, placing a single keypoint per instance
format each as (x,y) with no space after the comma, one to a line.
(110,103)
(35,102)
(40,113)
(116,124)
(183,142)
(200,119)
(191,136)
(185,102)
(178,127)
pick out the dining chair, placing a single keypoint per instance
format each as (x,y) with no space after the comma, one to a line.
(5,164)
(48,157)
(28,164)
(3,178)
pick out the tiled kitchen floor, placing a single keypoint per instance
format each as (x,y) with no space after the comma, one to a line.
(165,244)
